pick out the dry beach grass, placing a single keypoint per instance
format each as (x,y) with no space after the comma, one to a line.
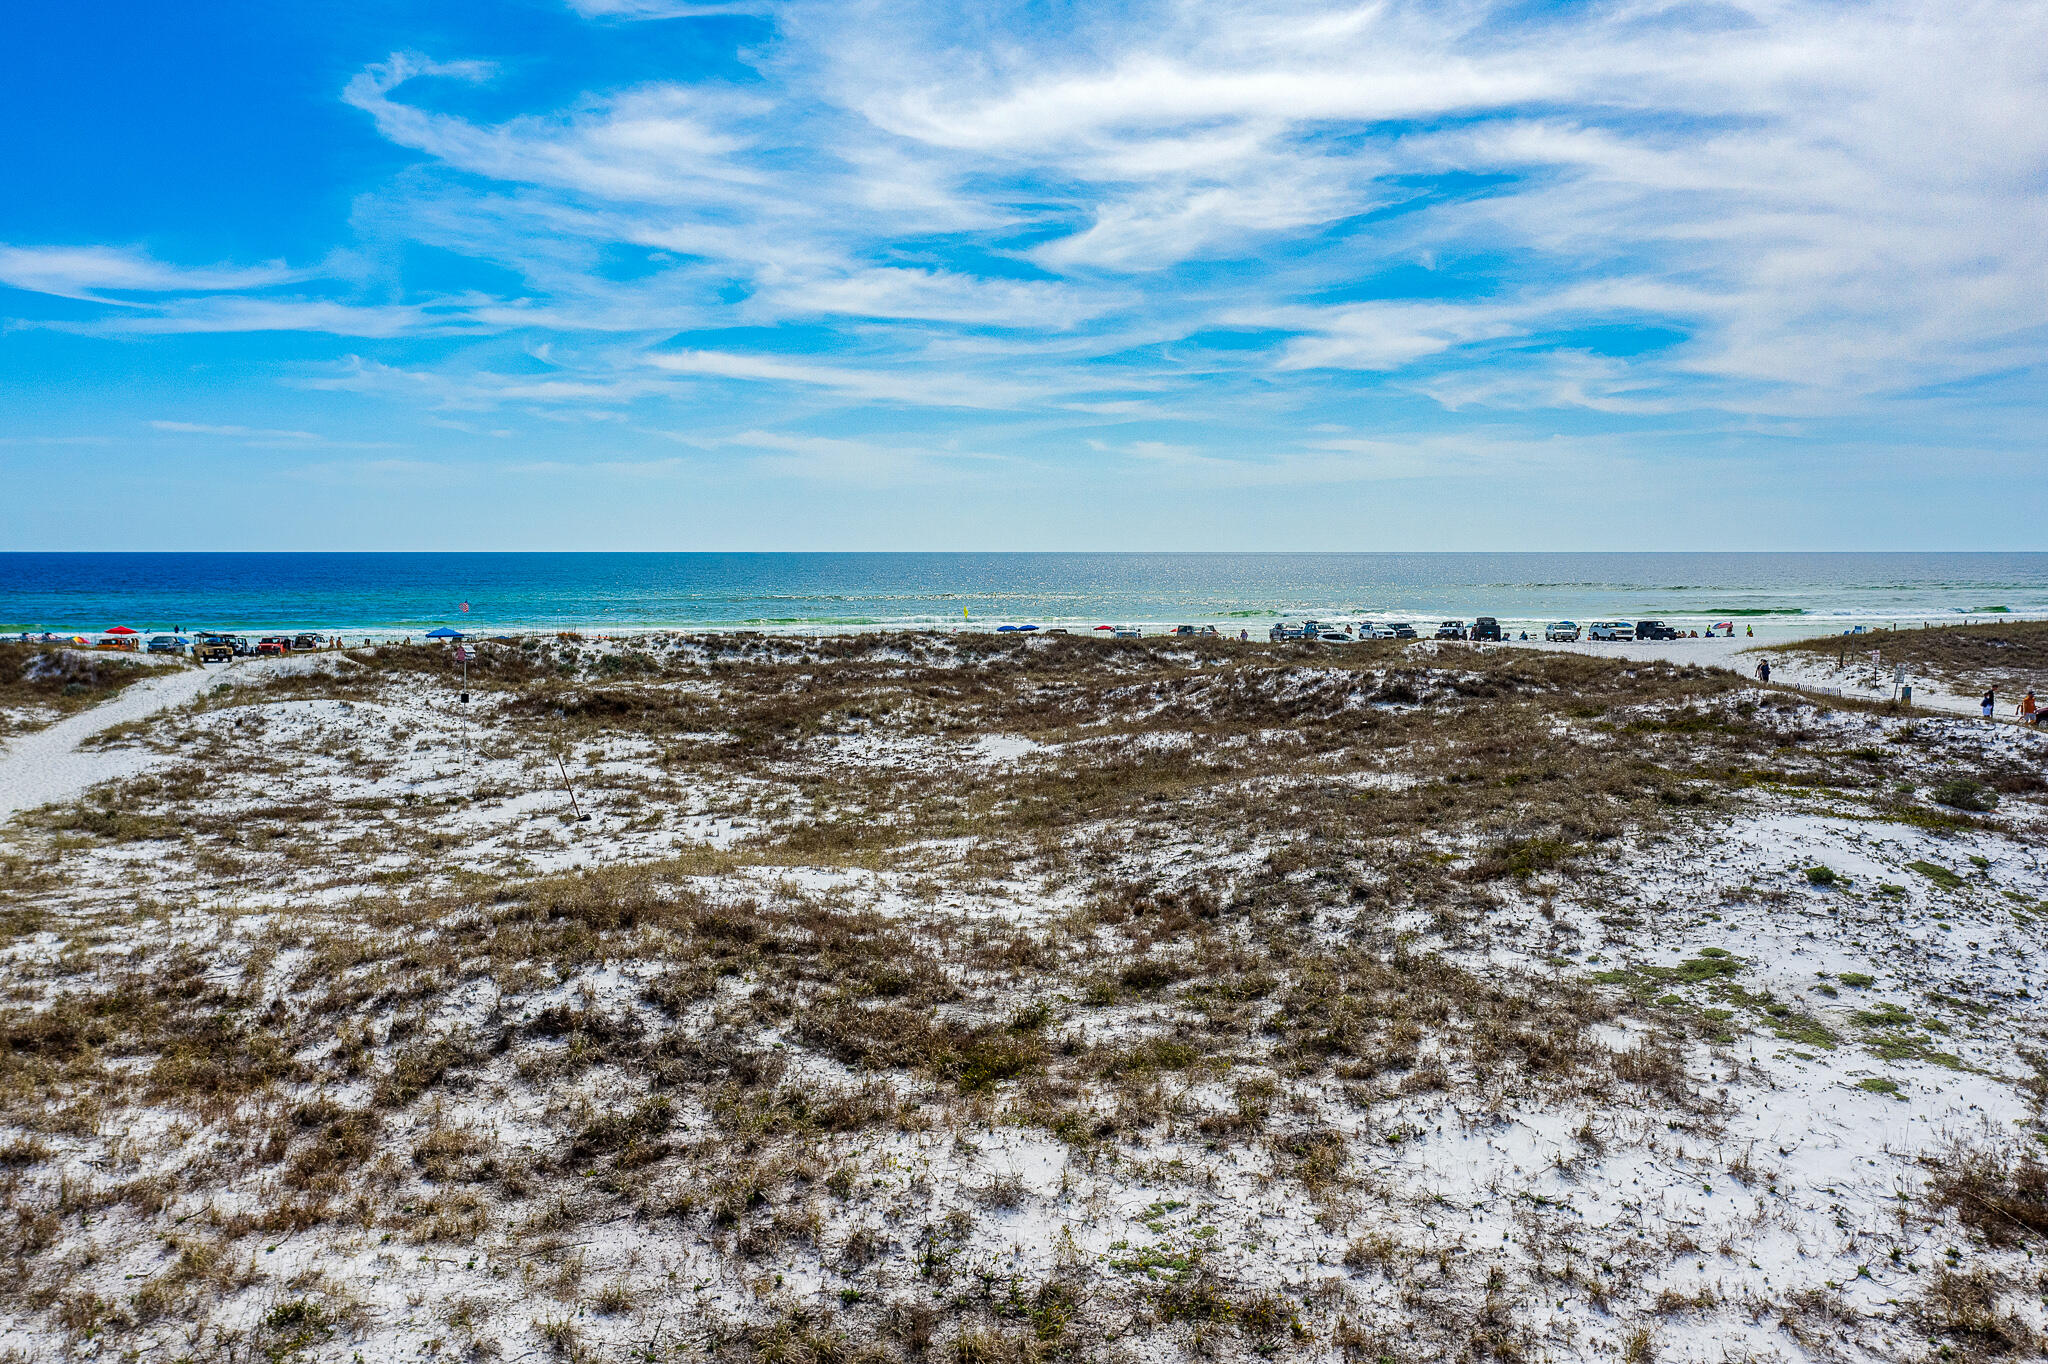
(39,685)
(965,998)
(2011,655)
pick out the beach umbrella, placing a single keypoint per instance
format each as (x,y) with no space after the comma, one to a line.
(1105,627)
(444,633)
(121,630)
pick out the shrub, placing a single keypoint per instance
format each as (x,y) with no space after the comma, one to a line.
(1961,793)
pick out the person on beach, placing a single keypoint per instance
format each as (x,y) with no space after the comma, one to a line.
(2029,712)
(1747,630)
(1989,703)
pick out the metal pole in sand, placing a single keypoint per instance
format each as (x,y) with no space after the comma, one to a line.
(569,787)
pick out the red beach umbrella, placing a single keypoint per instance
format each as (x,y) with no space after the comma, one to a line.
(120,630)
(1105,627)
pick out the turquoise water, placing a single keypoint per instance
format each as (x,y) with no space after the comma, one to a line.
(381,594)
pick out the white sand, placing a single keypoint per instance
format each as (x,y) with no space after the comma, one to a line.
(47,765)
(1858,677)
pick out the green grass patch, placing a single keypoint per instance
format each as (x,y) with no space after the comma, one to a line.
(1940,875)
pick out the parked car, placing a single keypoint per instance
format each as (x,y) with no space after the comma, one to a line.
(1654,629)
(1283,630)
(1335,637)
(1619,630)
(1126,632)
(164,644)
(1485,627)
(1401,629)
(275,646)
(1451,629)
(120,644)
(215,649)
(1561,631)
(305,642)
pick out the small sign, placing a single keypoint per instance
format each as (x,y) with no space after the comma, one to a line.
(461,654)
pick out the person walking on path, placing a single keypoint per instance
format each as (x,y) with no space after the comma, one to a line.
(1989,703)
(2029,712)
(1763,670)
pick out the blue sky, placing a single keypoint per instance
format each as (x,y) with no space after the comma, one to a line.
(776,274)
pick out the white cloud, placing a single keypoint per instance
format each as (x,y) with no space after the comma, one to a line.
(654,144)
(261,438)
(1828,208)
(914,388)
(204,429)
(943,296)
(238,314)
(95,272)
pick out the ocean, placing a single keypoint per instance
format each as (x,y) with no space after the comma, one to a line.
(381,595)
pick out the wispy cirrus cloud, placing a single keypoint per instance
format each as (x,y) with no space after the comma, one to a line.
(261,438)
(100,274)
(1044,229)
(206,429)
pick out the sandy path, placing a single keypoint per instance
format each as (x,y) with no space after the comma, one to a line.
(47,765)
(1859,678)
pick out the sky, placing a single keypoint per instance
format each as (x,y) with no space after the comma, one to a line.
(841,275)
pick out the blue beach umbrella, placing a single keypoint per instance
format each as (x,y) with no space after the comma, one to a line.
(444,633)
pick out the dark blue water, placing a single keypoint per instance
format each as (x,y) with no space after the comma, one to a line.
(359,594)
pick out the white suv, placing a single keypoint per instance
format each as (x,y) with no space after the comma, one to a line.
(1561,631)
(1619,630)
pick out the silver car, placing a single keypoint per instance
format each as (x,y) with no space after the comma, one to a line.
(1561,632)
